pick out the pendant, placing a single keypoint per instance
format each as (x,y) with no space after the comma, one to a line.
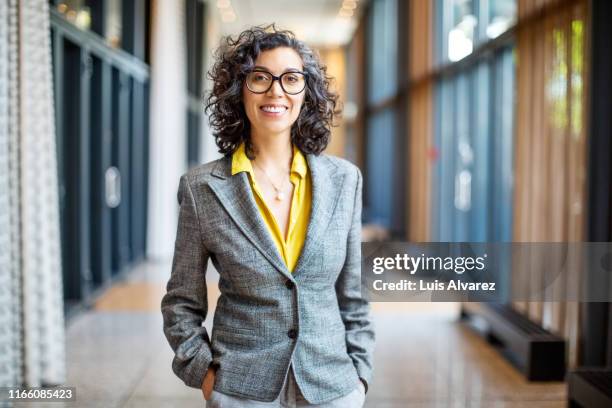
(280,196)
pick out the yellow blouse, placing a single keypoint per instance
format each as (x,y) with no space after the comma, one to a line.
(299,215)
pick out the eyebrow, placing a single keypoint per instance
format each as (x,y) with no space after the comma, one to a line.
(260,67)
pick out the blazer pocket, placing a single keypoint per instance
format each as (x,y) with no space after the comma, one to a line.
(224,337)
(234,330)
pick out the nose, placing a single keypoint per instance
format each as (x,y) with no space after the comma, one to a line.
(275,89)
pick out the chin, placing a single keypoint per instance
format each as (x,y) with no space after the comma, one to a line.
(275,129)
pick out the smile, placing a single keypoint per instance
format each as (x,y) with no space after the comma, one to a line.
(273,108)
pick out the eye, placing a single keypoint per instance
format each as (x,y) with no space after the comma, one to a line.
(260,77)
(292,78)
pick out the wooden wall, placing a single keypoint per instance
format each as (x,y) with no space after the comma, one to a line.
(420,120)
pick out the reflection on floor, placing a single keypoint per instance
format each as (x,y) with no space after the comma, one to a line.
(118,356)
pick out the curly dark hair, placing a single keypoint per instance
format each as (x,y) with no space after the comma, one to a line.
(234,59)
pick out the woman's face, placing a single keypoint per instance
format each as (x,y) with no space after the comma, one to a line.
(273,112)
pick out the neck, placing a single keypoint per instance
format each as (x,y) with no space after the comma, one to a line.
(272,152)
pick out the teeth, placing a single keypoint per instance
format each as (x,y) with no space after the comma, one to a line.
(273,109)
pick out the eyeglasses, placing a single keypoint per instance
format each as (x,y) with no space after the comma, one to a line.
(292,82)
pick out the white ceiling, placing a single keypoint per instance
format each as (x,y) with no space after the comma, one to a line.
(315,21)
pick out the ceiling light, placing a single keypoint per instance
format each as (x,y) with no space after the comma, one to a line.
(223,4)
(349,4)
(345,12)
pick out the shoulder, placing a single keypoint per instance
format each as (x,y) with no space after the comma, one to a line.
(202,173)
(342,166)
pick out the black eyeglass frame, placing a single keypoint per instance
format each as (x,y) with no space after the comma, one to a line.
(276,78)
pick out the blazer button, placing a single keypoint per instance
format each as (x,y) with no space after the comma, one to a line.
(289,284)
(292,334)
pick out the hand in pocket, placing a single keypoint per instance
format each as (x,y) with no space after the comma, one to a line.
(208,383)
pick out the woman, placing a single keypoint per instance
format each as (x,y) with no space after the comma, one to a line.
(281,224)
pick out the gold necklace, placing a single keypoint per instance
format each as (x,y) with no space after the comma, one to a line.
(280,195)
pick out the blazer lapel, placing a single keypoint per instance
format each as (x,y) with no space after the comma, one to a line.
(234,193)
(326,185)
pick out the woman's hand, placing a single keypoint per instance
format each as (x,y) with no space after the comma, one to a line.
(207,384)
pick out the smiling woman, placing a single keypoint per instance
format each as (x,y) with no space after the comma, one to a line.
(262,215)
(235,63)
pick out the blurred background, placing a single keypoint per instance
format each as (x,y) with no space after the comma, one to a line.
(489,121)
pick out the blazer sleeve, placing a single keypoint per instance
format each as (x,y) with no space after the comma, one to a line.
(354,308)
(185,304)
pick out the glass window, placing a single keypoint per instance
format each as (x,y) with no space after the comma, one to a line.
(444,173)
(461,30)
(474,124)
(465,23)
(383,47)
(381,141)
(502,15)
(381,147)
(113,25)
(77,12)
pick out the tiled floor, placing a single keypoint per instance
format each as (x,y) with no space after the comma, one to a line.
(118,356)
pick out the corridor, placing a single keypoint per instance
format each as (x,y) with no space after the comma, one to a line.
(423,358)
(472,123)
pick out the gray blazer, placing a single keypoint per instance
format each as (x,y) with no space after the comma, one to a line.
(266,316)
